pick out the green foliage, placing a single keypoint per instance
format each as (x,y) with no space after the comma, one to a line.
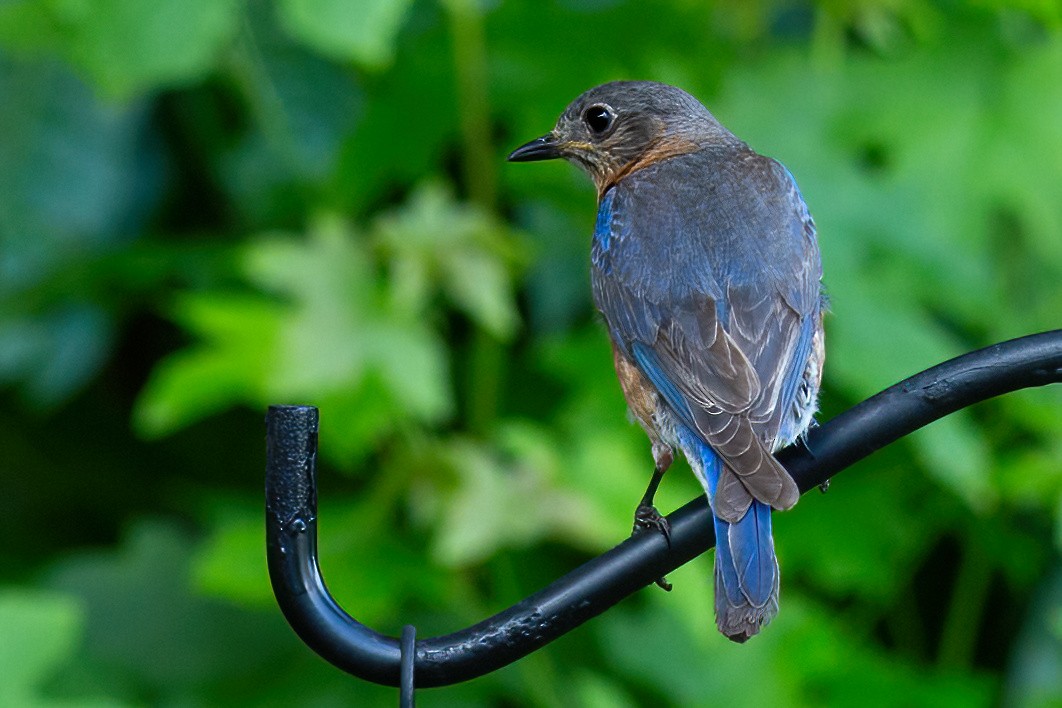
(42,630)
(125,47)
(364,32)
(341,318)
(208,207)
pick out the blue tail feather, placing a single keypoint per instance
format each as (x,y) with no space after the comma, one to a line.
(746,570)
(752,550)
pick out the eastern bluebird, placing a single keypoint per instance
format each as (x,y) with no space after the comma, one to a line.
(707,271)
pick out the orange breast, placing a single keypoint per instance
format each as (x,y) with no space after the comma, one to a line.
(641,397)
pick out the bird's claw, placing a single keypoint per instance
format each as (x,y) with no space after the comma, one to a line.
(648,518)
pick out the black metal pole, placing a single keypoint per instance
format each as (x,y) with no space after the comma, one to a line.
(589,590)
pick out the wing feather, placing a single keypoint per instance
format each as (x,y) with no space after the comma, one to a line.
(708,280)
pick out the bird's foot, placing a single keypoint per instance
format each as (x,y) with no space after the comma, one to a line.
(647,518)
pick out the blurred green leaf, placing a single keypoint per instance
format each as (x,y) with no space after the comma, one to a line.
(396,145)
(73,185)
(876,563)
(56,354)
(558,280)
(234,363)
(125,46)
(231,564)
(342,327)
(1028,477)
(42,629)
(882,342)
(363,32)
(302,108)
(333,330)
(596,691)
(143,619)
(671,653)
(488,508)
(466,251)
(1035,678)
(663,651)
(380,571)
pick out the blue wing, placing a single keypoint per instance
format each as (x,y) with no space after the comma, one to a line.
(706,269)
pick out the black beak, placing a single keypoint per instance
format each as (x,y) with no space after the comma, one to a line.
(544,148)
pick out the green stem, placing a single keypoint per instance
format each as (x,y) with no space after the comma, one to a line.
(958,640)
(470,65)
(483,381)
(485,368)
(248,69)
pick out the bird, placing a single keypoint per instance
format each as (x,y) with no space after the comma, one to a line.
(706,269)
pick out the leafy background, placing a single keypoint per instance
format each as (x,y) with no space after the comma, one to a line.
(208,206)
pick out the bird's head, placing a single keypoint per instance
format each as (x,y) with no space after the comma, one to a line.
(616,128)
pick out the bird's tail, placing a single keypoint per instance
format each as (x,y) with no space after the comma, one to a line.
(746,569)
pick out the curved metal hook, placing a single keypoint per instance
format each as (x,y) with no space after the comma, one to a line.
(589,590)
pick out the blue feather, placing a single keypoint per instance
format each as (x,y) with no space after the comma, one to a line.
(744,552)
(603,225)
(752,553)
(603,231)
(649,364)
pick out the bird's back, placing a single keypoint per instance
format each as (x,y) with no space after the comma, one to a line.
(721,229)
(697,222)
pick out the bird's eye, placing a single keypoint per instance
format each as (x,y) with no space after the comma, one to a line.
(598,118)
